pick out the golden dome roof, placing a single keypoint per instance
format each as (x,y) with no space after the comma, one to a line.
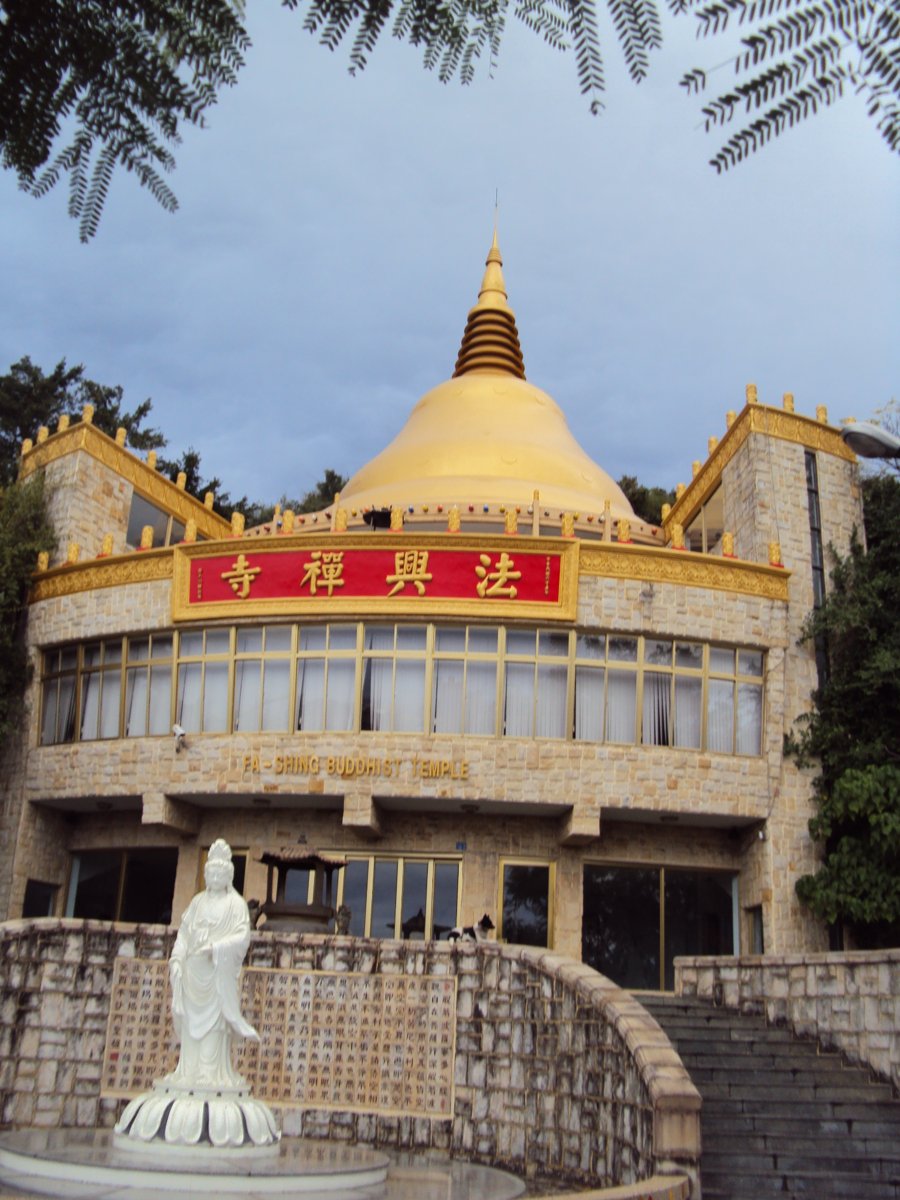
(486,436)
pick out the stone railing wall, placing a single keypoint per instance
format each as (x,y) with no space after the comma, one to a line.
(557,1072)
(849,1001)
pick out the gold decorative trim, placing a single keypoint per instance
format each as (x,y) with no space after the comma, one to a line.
(140,567)
(400,606)
(143,477)
(684,568)
(753,418)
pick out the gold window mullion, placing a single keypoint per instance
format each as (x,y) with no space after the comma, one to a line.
(429,900)
(370,892)
(398,900)
(120,892)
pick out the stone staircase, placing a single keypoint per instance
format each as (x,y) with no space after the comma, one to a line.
(781,1118)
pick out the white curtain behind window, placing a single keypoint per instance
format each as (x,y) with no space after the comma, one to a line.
(276,695)
(90,705)
(749,722)
(447,703)
(550,715)
(589,704)
(188,703)
(481,698)
(109,706)
(519,700)
(310,694)
(409,697)
(621,697)
(160,700)
(688,700)
(657,694)
(341,697)
(720,716)
(247,673)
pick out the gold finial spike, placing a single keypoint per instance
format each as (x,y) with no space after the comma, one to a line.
(607,520)
(27,446)
(821,415)
(727,544)
(677,537)
(787,401)
(209,500)
(73,552)
(340,520)
(567,528)
(453,522)
(730,418)
(107,546)
(237,524)
(491,341)
(752,394)
(181,481)
(151,459)
(623,531)
(775,554)
(43,561)
(664,512)
(696,466)
(287,521)
(63,423)
(87,414)
(147,537)
(43,434)
(190,530)
(536,512)
(680,489)
(121,435)
(711,444)
(396,520)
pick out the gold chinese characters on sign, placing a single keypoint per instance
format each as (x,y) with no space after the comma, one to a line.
(380,1043)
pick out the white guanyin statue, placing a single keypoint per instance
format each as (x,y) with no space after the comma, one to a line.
(204,1101)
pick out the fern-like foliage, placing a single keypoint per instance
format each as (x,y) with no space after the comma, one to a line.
(90,85)
(797,57)
(455,34)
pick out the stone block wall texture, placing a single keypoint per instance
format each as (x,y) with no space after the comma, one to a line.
(557,1071)
(848,1001)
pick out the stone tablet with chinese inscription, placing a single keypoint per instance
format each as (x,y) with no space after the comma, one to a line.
(358,1042)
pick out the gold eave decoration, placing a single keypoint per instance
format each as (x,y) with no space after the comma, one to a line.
(685,568)
(145,566)
(753,418)
(143,478)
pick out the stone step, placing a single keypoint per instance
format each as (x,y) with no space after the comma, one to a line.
(824,1074)
(810,1141)
(744,1162)
(817,1186)
(776,1092)
(780,1117)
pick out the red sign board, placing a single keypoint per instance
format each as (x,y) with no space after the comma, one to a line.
(331,575)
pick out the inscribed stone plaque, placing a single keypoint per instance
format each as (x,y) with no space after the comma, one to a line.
(382,1043)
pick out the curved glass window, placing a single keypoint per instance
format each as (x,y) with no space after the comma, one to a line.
(376,677)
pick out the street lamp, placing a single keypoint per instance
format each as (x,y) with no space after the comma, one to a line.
(870,441)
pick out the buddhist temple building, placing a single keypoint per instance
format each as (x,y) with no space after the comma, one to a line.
(477,679)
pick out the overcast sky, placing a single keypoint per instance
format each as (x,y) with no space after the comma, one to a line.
(332,235)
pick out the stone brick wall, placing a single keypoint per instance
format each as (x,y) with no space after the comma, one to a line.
(557,1071)
(849,1001)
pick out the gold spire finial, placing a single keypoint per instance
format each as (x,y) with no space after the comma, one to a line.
(491,340)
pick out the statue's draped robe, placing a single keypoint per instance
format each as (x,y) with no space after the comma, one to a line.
(205,997)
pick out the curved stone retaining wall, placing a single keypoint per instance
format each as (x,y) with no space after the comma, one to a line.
(557,1071)
(849,1001)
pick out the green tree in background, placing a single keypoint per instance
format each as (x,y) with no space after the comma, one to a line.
(24,532)
(87,86)
(853,733)
(29,399)
(646,502)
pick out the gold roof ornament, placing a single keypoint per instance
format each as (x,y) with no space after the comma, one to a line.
(487,436)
